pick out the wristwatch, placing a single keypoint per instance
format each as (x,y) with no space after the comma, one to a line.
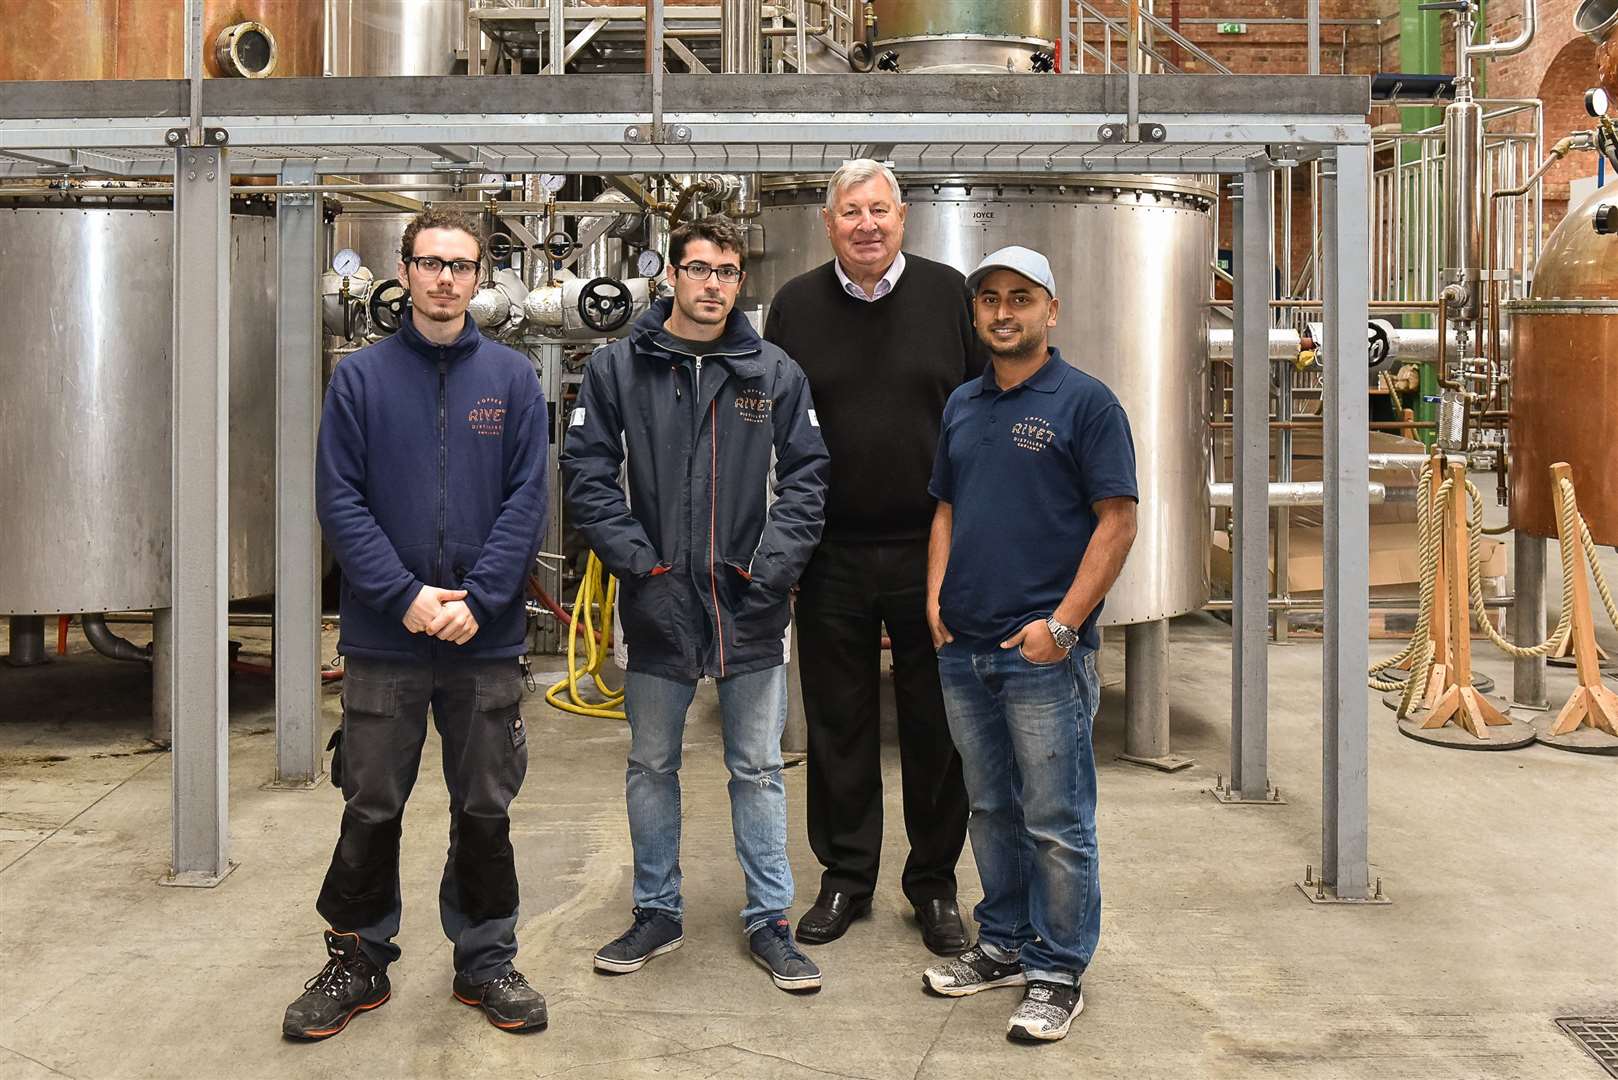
(1065,636)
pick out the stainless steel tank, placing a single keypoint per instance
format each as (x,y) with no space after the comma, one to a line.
(968,35)
(1130,255)
(85,366)
(1564,377)
(390,37)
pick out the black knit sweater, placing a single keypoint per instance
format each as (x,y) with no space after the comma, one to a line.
(880,373)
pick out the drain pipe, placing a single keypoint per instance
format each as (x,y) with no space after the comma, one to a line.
(109,644)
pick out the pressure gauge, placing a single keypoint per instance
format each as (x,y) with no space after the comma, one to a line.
(650,264)
(1595,101)
(346,261)
(552,182)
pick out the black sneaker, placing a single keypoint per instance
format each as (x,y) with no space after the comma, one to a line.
(1046,1011)
(348,984)
(655,932)
(508,1001)
(773,948)
(970,973)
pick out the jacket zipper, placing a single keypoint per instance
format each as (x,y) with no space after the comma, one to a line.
(443,461)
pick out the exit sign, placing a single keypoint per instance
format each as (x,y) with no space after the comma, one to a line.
(1232,28)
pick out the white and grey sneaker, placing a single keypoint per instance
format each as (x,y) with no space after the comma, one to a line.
(655,932)
(973,971)
(1046,1012)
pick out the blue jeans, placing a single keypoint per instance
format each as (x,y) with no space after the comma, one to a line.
(1023,730)
(754,711)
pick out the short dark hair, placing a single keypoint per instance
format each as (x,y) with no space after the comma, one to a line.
(717,229)
(434,218)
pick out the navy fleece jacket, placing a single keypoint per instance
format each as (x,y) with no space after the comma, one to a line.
(431,470)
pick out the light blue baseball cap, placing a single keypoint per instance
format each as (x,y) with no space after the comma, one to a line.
(1025,261)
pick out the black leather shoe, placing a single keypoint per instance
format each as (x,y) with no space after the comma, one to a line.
(941,929)
(828,920)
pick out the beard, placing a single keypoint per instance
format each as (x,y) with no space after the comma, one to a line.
(1024,344)
(440,308)
(698,313)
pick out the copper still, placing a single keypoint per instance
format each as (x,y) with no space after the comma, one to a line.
(1564,378)
(145,39)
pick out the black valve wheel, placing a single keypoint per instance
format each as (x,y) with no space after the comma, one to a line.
(605,304)
(559,245)
(387,306)
(1378,347)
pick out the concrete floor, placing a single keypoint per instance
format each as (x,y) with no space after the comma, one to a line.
(1501,868)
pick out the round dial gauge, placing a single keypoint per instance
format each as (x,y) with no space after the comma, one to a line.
(650,264)
(346,261)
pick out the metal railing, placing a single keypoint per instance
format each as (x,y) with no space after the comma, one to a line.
(1083,15)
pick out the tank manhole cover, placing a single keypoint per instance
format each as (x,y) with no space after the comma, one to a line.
(1598,1036)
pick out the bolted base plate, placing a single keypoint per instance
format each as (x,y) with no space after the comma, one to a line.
(1318,893)
(278,784)
(1229,796)
(1166,763)
(195,879)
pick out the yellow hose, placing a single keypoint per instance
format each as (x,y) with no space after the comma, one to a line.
(597,585)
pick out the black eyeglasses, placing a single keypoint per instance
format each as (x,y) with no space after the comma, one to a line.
(432,266)
(699,271)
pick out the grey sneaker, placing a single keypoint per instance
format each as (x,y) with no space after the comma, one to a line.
(655,932)
(773,948)
(971,972)
(1046,1012)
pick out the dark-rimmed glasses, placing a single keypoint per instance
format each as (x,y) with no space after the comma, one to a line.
(699,271)
(432,266)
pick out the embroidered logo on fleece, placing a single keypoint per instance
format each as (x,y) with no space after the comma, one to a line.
(488,416)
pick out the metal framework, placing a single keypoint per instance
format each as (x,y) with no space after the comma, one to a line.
(296,129)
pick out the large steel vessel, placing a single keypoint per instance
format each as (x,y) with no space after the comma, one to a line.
(1130,255)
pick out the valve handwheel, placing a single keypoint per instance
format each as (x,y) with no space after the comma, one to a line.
(387,305)
(605,304)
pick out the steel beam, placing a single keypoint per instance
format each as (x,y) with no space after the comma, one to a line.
(1345,825)
(1528,620)
(299,731)
(1250,515)
(198,545)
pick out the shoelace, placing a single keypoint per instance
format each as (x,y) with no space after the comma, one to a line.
(783,931)
(511,980)
(332,980)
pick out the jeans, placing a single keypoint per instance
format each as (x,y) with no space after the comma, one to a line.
(1023,730)
(477,708)
(754,711)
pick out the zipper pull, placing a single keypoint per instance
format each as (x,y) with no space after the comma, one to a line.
(674,373)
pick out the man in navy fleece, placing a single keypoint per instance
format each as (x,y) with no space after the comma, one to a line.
(430,487)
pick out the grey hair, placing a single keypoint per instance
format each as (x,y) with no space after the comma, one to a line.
(859,171)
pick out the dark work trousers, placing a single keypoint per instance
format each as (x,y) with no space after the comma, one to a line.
(476,708)
(848,592)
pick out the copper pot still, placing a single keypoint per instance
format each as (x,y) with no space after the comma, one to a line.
(1564,377)
(145,39)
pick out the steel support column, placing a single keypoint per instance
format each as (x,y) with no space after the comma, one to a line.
(1250,514)
(1528,620)
(27,641)
(198,545)
(299,731)
(1146,697)
(1345,823)
(162,677)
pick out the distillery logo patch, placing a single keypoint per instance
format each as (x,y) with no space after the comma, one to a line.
(753,406)
(488,416)
(1032,433)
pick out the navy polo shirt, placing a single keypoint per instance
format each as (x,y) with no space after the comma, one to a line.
(1021,469)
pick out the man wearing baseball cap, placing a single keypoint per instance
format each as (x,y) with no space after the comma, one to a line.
(1035,482)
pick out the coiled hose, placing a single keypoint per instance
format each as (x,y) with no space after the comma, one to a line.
(597,592)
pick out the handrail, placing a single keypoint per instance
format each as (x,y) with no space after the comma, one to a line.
(1184,42)
(1119,28)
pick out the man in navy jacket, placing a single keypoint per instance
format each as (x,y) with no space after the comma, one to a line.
(431,491)
(705,560)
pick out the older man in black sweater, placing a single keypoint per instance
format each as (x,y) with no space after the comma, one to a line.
(884,337)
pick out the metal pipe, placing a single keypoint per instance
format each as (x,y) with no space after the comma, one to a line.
(153,190)
(1296,425)
(1379,603)
(740,40)
(1289,493)
(1146,691)
(1528,620)
(27,641)
(109,644)
(1496,49)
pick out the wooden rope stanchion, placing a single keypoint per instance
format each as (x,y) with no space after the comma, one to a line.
(1459,715)
(1591,702)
